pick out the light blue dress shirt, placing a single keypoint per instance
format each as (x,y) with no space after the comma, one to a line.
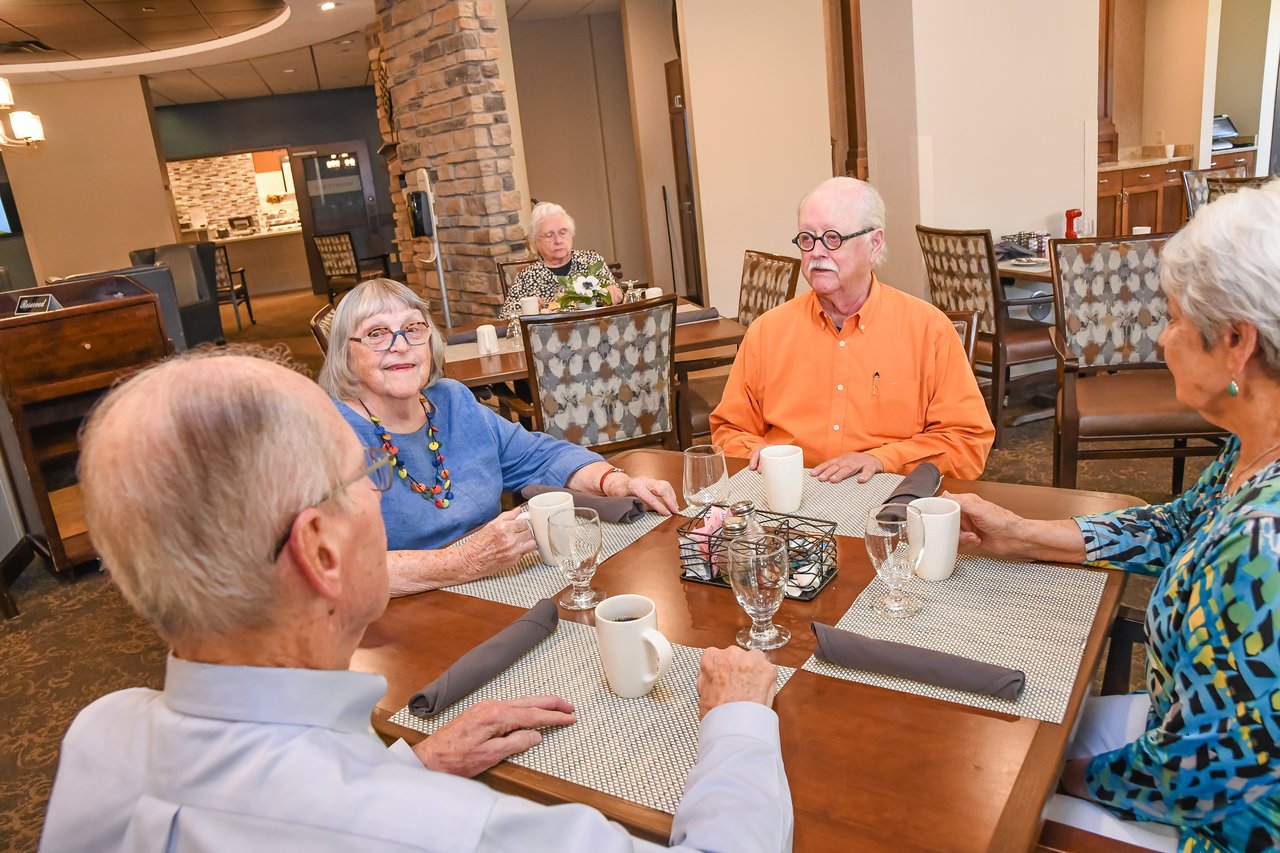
(259,758)
(484,455)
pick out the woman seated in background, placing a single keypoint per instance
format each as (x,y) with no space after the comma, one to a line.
(453,456)
(551,232)
(1195,752)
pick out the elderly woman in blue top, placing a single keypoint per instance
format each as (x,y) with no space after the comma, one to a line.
(1193,761)
(454,457)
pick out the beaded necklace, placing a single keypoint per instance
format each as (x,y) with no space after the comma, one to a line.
(441,492)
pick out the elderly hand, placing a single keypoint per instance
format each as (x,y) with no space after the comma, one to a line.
(842,467)
(657,495)
(735,675)
(490,731)
(986,527)
(499,544)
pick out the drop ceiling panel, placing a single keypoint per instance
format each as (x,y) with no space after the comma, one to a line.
(130,9)
(29,58)
(91,44)
(240,5)
(301,79)
(42,15)
(341,66)
(230,23)
(234,80)
(541,10)
(602,7)
(8,33)
(182,87)
(174,38)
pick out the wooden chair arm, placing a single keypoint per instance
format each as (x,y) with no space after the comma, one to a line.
(509,403)
(693,365)
(1129,629)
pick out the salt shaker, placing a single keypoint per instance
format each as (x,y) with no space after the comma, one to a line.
(734,526)
(746,510)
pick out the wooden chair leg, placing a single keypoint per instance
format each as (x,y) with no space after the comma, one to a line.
(999,380)
(1179,466)
(1066,445)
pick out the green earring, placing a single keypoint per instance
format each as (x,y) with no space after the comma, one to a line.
(1233,389)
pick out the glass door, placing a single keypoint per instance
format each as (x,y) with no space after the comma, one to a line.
(334,186)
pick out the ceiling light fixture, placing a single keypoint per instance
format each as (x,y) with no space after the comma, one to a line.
(286,70)
(27,129)
(346,41)
(328,7)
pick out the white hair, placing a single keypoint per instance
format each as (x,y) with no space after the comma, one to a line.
(190,472)
(871,209)
(368,298)
(542,211)
(1224,268)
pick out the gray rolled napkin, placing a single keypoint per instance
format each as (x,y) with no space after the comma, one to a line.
(696,316)
(923,482)
(478,666)
(469,337)
(612,510)
(845,648)
(1007,250)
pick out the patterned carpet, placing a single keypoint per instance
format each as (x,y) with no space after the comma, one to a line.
(74,642)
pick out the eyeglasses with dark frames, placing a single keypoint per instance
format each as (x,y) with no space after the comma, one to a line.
(379,473)
(833,240)
(382,339)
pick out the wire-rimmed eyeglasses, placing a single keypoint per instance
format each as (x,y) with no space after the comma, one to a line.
(379,473)
(382,339)
(833,240)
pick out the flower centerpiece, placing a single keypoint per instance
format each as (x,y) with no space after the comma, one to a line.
(583,291)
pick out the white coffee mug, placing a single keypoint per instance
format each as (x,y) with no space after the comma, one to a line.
(782,466)
(634,653)
(487,339)
(537,511)
(530,305)
(653,293)
(941,519)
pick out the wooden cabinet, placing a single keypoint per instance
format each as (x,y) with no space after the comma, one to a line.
(1229,159)
(1142,196)
(53,368)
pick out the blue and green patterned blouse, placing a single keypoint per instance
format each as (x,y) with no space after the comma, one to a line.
(1207,762)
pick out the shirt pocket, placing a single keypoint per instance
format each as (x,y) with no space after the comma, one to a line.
(896,402)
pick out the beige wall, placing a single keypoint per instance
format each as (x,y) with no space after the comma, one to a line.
(576,126)
(938,86)
(1128,70)
(506,71)
(650,45)
(1180,73)
(757,86)
(1242,49)
(96,189)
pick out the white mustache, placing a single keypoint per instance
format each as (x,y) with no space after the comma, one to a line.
(821,264)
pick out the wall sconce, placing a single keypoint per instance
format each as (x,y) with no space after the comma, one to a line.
(27,129)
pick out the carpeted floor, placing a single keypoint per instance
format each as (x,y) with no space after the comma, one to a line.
(74,642)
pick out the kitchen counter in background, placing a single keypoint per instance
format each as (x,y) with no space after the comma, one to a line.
(273,261)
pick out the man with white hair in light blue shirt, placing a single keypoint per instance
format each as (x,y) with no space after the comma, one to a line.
(238,513)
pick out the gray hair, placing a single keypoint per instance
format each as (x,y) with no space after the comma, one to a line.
(1223,268)
(368,298)
(871,209)
(542,211)
(189,472)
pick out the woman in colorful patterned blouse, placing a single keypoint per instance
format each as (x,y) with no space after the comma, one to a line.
(453,456)
(1193,762)
(551,232)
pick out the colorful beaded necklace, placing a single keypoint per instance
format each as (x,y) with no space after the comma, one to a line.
(441,492)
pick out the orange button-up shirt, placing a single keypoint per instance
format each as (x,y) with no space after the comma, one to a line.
(893,382)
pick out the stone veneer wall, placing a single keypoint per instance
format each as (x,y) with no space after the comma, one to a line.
(449,115)
(223,186)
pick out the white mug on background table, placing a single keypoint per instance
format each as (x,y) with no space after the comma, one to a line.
(782,467)
(634,653)
(530,305)
(1139,230)
(537,511)
(941,520)
(487,339)
(653,293)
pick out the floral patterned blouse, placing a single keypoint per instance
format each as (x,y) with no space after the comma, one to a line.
(537,280)
(1205,763)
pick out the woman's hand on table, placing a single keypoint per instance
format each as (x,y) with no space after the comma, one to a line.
(491,731)
(991,529)
(657,495)
(500,543)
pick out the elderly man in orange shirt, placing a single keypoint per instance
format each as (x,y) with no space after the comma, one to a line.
(863,377)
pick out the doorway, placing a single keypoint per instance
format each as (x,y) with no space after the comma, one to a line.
(334,187)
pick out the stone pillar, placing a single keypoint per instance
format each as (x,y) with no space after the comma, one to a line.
(443,104)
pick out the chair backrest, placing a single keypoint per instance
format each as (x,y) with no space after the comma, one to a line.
(961,270)
(321,323)
(222,268)
(184,265)
(603,378)
(767,282)
(508,270)
(337,254)
(1219,185)
(1109,305)
(1196,184)
(966,325)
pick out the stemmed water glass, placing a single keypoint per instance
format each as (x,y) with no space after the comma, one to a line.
(574,538)
(758,571)
(895,543)
(706,479)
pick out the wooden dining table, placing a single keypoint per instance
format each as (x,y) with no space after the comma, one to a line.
(869,768)
(1026,272)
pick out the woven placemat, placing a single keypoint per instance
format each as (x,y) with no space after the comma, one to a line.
(471,349)
(1028,616)
(639,750)
(531,580)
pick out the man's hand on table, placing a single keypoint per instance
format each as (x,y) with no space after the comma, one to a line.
(490,731)
(735,675)
(863,465)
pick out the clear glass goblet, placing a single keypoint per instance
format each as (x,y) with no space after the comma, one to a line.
(706,479)
(574,538)
(758,570)
(895,543)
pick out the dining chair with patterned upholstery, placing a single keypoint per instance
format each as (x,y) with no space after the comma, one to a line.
(767,282)
(1196,184)
(508,271)
(1217,186)
(343,270)
(1113,386)
(963,277)
(228,289)
(603,378)
(321,323)
(966,325)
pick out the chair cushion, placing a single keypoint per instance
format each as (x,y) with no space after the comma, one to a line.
(1025,340)
(1135,403)
(703,395)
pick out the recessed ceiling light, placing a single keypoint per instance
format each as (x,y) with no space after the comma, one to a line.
(328,7)
(346,41)
(147,9)
(287,70)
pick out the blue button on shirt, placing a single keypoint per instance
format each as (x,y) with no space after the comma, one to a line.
(262,758)
(484,454)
